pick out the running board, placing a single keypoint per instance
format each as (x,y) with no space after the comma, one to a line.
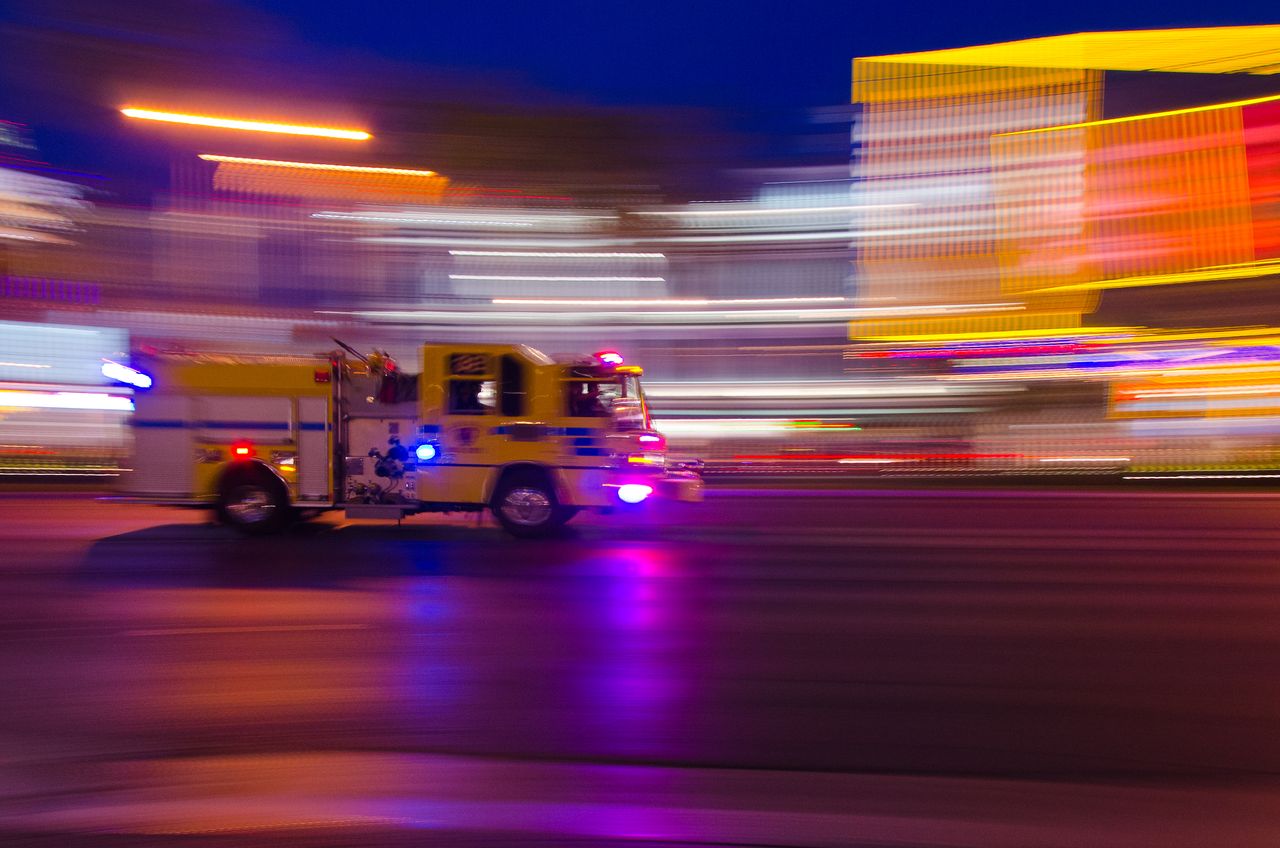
(390,512)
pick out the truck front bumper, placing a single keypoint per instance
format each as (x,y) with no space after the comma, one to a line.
(683,486)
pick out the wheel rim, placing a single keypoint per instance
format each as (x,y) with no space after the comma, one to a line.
(527,507)
(250,505)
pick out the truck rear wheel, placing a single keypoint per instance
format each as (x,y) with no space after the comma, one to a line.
(253,502)
(525,505)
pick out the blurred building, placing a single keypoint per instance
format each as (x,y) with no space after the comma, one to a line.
(1096,207)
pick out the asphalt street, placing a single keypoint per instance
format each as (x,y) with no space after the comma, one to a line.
(785,667)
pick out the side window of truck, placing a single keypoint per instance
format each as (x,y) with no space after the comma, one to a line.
(513,390)
(470,397)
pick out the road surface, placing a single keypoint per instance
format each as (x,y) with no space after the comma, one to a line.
(914,667)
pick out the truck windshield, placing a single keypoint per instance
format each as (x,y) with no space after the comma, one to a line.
(618,397)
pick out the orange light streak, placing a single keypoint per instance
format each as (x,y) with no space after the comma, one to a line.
(239,124)
(315,166)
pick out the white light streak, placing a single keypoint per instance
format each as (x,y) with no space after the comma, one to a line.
(23,365)
(1206,391)
(1199,476)
(718,427)
(817,315)
(796,390)
(852,461)
(1075,459)
(406,219)
(674,301)
(517,278)
(778,210)
(64,400)
(539,254)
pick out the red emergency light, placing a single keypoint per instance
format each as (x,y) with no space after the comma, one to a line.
(241,450)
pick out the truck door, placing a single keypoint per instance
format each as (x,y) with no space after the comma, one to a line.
(484,423)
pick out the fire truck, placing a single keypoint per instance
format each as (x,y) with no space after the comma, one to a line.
(504,428)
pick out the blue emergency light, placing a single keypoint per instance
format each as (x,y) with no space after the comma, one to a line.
(125,374)
(426,452)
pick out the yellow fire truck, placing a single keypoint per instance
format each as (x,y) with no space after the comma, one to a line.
(498,427)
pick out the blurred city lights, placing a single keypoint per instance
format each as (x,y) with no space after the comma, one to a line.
(15,399)
(960,294)
(240,124)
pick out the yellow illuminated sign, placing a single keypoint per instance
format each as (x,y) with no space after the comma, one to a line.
(1207,50)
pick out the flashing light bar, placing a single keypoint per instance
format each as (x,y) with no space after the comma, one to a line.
(609,357)
(239,124)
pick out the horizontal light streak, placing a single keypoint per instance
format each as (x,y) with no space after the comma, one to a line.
(906,457)
(1199,476)
(1267,268)
(240,124)
(497,317)
(1199,405)
(1192,335)
(373,219)
(58,471)
(674,301)
(1076,459)
(722,427)
(749,409)
(1146,116)
(22,365)
(64,400)
(426,241)
(780,210)
(461,218)
(540,254)
(841,235)
(1060,333)
(799,389)
(856,311)
(519,278)
(868,461)
(1205,391)
(316,166)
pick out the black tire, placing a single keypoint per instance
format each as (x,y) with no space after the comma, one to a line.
(253,501)
(525,505)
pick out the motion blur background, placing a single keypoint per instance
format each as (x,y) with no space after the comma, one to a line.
(1042,256)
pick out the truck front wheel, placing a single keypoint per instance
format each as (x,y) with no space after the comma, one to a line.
(526,506)
(253,502)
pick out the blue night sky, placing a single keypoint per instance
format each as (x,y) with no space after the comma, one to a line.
(758,66)
(744,54)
